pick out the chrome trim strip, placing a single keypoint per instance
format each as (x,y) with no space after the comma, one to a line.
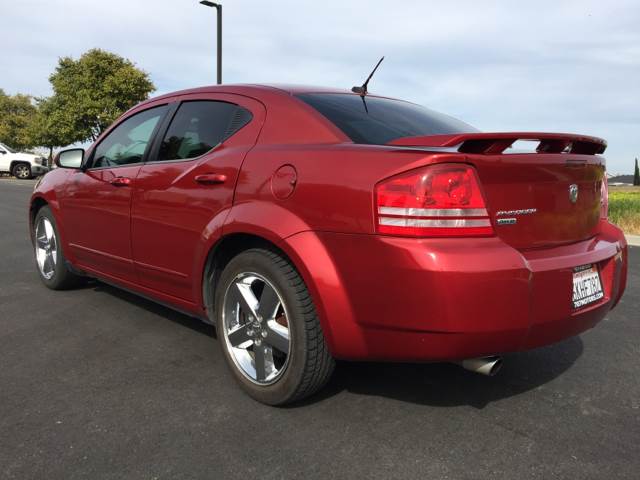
(434,223)
(434,212)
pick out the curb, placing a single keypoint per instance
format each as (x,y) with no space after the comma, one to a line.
(633,240)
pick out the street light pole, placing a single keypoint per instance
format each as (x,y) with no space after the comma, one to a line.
(218,7)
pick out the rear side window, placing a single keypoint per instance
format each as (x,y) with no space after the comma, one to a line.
(376,120)
(198,126)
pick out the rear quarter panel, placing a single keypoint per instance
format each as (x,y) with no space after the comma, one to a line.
(334,189)
(333,193)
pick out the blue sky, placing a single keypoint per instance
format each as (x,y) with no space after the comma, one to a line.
(558,65)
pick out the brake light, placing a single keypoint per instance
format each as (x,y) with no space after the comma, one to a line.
(604,198)
(442,200)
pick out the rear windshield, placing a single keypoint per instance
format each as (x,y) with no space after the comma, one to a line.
(376,120)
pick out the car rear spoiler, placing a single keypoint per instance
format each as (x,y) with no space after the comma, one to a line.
(497,143)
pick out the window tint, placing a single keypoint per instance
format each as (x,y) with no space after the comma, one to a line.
(198,126)
(127,143)
(376,120)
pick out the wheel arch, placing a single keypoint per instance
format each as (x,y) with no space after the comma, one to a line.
(16,162)
(226,248)
(47,198)
(311,260)
(35,205)
(243,226)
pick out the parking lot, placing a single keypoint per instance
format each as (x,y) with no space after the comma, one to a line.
(98,383)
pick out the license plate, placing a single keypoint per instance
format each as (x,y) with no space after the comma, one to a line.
(587,287)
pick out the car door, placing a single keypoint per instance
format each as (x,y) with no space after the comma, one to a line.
(188,180)
(96,204)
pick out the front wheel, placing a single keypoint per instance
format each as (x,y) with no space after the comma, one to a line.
(50,260)
(22,171)
(269,329)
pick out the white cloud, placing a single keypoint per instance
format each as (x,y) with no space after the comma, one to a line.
(501,65)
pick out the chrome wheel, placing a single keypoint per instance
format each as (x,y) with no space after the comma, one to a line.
(255,327)
(46,248)
(22,171)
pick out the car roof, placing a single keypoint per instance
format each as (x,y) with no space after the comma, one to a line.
(255,90)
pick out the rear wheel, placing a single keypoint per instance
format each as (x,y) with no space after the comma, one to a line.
(269,329)
(22,171)
(50,259)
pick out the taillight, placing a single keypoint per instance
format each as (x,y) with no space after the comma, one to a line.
(604,197)
(442,200)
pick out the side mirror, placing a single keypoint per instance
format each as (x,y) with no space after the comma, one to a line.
(3,152)
(71,158)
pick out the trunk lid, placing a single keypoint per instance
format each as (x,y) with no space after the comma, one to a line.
(549,197)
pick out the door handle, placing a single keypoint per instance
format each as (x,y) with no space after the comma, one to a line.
(120,182)
(210,178)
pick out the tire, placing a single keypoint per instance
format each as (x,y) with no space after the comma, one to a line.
(22,171)
(284,312)
(50,260)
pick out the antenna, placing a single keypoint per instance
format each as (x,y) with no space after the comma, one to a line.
(362,91)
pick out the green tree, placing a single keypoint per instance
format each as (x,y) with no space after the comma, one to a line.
(48,127)
(17,112)
(636,175)
(91,92)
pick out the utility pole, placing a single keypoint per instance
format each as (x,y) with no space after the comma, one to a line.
(218,8)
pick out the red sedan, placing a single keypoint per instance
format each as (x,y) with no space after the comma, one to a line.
(313,224)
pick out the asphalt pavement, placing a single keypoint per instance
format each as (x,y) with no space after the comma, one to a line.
(97,383)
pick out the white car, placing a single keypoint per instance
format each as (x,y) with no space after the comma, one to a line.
(21,165)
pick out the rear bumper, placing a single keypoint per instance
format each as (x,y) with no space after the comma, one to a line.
(444,299)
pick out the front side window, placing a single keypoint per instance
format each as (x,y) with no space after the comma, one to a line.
(198,126)
(127,143)
(376,120)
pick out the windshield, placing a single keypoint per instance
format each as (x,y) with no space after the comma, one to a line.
(378,121)
(6,148)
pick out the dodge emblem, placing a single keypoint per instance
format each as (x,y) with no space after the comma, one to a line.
(573,193)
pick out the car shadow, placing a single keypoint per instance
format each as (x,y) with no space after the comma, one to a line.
(153,307)
(432,384)
(448,385)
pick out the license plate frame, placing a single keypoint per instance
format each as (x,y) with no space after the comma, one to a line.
(587,286)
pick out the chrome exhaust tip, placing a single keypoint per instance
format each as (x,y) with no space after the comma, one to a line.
(485,365)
